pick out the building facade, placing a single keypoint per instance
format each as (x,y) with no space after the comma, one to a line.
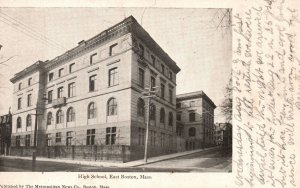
(223,134)
(5,133)
(88,102)
(195,120)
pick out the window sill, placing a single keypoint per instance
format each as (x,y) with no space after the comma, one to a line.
(93,91)
(112,86)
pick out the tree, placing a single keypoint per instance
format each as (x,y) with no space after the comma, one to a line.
(226,106)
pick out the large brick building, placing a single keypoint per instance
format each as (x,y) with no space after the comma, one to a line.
(88,101)
(195,120)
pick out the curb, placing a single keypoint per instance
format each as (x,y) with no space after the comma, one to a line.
(185,154)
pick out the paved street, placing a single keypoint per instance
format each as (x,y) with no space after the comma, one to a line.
(205,161)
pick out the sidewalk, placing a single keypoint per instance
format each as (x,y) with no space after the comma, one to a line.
(115,163)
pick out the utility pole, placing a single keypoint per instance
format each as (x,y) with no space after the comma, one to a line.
(34,139)
(149,93)
(35,134)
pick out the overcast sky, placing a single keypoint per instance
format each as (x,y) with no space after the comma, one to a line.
(193,38)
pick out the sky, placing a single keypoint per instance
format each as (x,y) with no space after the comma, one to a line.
(198,40)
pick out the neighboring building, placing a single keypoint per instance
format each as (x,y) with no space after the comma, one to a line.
(5,133)
(223,134)
(195,120)
(89,100)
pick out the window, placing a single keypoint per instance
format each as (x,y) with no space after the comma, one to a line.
(170,140)
(162,115)
(171,95)
(49,140)
(178,117)
(93,58)
(141,107)
(60,92)
(110,136)
(27,140)
(113,77)
(178,105)
(162,139)
(153,60)
(18,141)
(90,137)
(50,76)
(49,118)
(112,49)
(152,138)
(70,114)
(71,67)
(92,83)
(28,121)
(141,51)
(162,68)
(152,112)
(29,81)
(162,91)
(59,117)
(141,77)
(91,110)
(58,137)
(60,72)
(69,138)
(50,96)
(170,119)
(19,103)
(192,103)
(192,116)
(192,131)
(141,136)
(71,89)
(152,82)
(179,130)
(170,75)
(112,107)
(20,86)
(19,122)
(29,100)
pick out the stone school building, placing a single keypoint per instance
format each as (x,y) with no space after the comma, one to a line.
(88,102)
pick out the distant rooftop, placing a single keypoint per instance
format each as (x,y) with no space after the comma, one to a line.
(194,95)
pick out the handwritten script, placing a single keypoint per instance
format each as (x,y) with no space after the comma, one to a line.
(266,77)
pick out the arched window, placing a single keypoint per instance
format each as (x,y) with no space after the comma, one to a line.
(112,107)
(192,131)
(152,112)
(70,114)
(162,115)
(49,118)
(92,110)
(59,116)
(170,119)
(141,107)
(19,122)
(28,121)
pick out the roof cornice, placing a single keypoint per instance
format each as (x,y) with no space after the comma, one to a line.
(128,25)
(194,95)
(38,66)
